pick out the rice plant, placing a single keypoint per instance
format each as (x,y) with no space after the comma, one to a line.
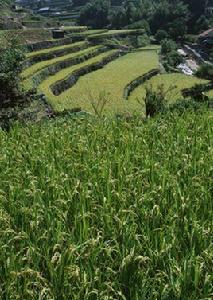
(107,209)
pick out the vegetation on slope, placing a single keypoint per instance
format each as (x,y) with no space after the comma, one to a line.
(4,2)
(177,17)
(45,85)
(177,80)
(109,83)
(11,56)
(42,64)
(104,209)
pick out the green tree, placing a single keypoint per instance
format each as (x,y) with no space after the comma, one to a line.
(161,35)
(170,14)
(96,14)
(10,66)
(168,46)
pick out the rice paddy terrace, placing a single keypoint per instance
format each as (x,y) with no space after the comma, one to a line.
(82,70)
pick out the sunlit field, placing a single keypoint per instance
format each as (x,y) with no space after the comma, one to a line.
(174,82)
(108,82)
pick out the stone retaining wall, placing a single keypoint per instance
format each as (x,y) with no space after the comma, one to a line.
(52,54)
(138,81)
(55,68)
(71,80)
(48,44)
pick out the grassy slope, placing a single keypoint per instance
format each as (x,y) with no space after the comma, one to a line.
(107,210)
(112,80)
(177,80)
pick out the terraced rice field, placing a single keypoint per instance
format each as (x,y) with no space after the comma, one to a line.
(176,80)
(43,64)
(103,76)
(45,85)
(92,32)
(210,93)
(110,80)
(53,49)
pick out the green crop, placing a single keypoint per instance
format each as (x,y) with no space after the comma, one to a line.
(112,80)
(53,49)
(43,64)
(177,80)
(105,209)
(45,85)
(114,33)
(210,93)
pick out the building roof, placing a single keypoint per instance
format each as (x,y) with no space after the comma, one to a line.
(44,9)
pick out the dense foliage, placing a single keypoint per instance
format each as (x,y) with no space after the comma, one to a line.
(177,17)
(95,14)
(206,71)
(170,56)
(12,54)
(10,64)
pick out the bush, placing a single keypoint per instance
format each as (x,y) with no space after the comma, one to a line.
(182,105)
(155,100)
(161,35)
(205,71)
(143,40)
(10,65)
(140,25)
(167,46)
(174,59)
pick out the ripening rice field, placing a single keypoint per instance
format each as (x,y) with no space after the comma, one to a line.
(177,81)
(46,63)
(104,209)
(110,81)
(210,93)
(50,69)
(53,49)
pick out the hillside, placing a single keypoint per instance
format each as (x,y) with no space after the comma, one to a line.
(106,150)
(4,3)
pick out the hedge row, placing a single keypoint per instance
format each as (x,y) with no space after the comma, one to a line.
(197,90)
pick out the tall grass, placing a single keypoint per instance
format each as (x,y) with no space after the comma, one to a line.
(105,209)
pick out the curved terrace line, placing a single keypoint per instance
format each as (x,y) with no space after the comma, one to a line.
(138,81)
(54,53)
(48,44)
(58,66)
(67,83)
(29,72)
